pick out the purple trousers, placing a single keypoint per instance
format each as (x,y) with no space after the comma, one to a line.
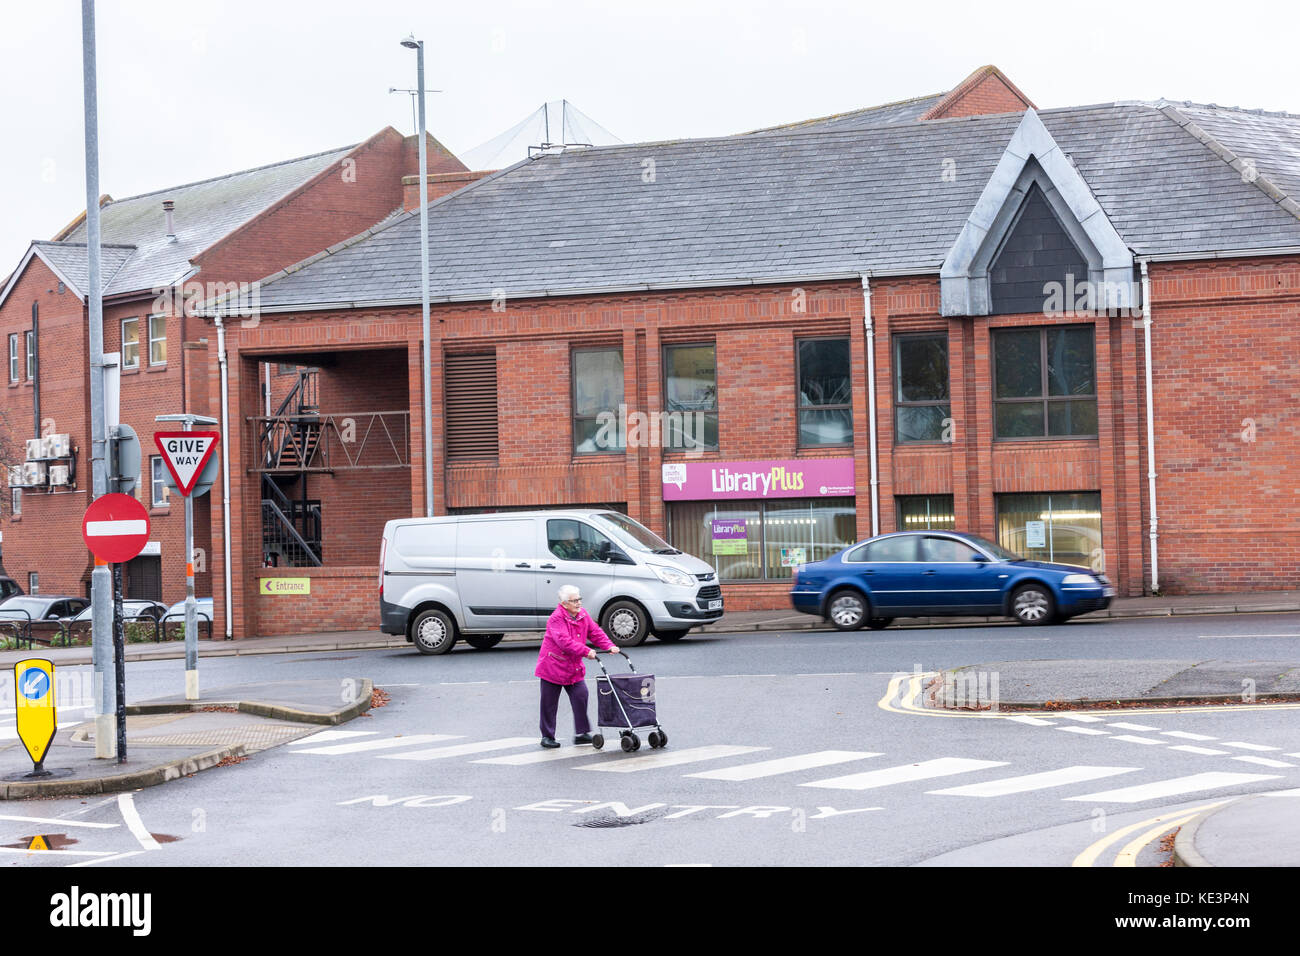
(577,692)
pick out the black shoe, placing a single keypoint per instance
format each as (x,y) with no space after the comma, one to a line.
(582,739)
(550,743)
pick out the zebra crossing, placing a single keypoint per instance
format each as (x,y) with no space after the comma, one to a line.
(858,771)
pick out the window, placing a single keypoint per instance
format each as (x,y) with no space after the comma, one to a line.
(157,340)
(597,395)
(16,501)
(31,355)
(761,540)
(946,551)
(571,540)
(13,357)
(894,549)
(825,393)
(1065,528)
(921,408)
(928,512)
(33,582)
(130,343)
(1044,383)
(691,397)
(157,482)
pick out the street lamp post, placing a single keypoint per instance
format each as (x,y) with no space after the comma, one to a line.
(426,379)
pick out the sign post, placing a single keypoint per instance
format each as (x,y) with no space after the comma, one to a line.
(35,716)
(186,453)
(115,529)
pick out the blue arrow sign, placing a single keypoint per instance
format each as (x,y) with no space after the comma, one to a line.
(35,683)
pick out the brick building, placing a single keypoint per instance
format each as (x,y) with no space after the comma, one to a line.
(160,250)
(766,346)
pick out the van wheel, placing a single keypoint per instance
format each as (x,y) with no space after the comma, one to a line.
(432,632)
(625,623)
(670,636)
(483,642)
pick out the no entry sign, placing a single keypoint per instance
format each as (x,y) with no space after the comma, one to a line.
(115,528)
(185,454)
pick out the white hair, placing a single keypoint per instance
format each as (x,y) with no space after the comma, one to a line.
(568,592)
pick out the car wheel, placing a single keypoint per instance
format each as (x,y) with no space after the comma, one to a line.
(879,623)
(670,636)
(847,610)
(625,623)
(483,642)
(433,632)
(1033,604)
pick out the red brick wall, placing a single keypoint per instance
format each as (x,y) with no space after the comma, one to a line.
(341,599)
(439,185)
(984,92)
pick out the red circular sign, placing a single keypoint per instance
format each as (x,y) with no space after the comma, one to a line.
(115,528)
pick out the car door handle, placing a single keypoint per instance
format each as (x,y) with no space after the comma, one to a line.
(548,566)
(523,564)
(927,572)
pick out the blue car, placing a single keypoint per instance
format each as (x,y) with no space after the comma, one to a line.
(942,573)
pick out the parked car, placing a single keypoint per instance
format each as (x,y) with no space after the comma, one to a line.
(131,608)
(942,573)
(41,607)
(9,587)
(203,607)
(479,576)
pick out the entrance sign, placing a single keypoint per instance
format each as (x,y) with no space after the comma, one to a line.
(285,586)
(34,699)
(185,454)
(115,528)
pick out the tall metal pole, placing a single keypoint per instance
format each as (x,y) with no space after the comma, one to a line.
(427,376)
(100,583)
(191,614)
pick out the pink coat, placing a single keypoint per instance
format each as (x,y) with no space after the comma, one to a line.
(565,646)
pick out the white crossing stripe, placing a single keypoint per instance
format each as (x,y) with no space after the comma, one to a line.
(1173,787)
(1129,738)
(1082,718)
(1184,735)
(61,822)
(769,768)
(939,767)
(1035,781)
(388,743)
(540,756)
(460,750)
(1084,730)
(668,758)
(1032,721)
(8,733)
(100,529)
(1132,726)
(325,736)
(1206,751)
(1265,761)
(1238,743)
(1292,755)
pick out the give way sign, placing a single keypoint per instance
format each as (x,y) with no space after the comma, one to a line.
(115,528)
(185,454)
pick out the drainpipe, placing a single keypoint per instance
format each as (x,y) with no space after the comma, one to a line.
(869,326)
(225,467)
(1151,427)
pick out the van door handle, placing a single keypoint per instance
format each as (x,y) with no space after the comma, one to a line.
(523,564)
(550,566)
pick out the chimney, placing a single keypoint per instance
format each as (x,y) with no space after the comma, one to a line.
(439,185)
(168,206)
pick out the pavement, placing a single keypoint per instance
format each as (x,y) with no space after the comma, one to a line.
(170,738)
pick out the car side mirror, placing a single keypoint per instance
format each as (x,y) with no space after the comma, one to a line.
(980,558)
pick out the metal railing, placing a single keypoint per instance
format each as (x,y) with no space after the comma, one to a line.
(347,441)
(56,633)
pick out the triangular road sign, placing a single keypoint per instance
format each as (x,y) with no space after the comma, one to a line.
(185,454)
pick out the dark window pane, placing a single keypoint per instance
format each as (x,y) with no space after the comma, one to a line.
(946,550)
(899,548)
(688,430)
(691,378)
(826,427)
(597,435)
(824,372)
(597,382)
(1018,420)
(923,368)
(925,511)
(920,422)
(1072,418)
(1070,364)
(1018,363)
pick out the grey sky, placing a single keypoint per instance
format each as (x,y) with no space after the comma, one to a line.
(193,90)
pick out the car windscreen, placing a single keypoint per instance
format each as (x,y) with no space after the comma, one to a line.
(634,534)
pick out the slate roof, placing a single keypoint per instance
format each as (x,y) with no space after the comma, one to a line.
(904,111)
(205,212)
(783,205)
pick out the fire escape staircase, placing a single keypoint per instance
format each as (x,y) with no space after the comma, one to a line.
(290,444)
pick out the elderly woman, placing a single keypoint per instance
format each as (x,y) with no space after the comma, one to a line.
(559,665)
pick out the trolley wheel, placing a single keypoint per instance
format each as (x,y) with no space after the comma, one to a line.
(663,737)
(626,743)
(636,741)
(654,740)
(598,740)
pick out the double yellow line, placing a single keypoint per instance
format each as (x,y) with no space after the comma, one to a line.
(1129,854)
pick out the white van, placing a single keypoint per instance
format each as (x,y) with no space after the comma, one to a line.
(479,576)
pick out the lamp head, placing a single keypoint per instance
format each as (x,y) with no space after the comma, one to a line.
(411,43)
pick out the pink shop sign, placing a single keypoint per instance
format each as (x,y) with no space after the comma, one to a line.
(796,478)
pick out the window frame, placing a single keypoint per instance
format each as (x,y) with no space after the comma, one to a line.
(16,502)
(30,336)
(800,408)
(664,366)
(162,319)
(897,396)
(1044,399)
(128,366)
(13,357)
(157,482)
(574,417)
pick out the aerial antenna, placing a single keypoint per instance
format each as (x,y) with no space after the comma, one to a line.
(415,124)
